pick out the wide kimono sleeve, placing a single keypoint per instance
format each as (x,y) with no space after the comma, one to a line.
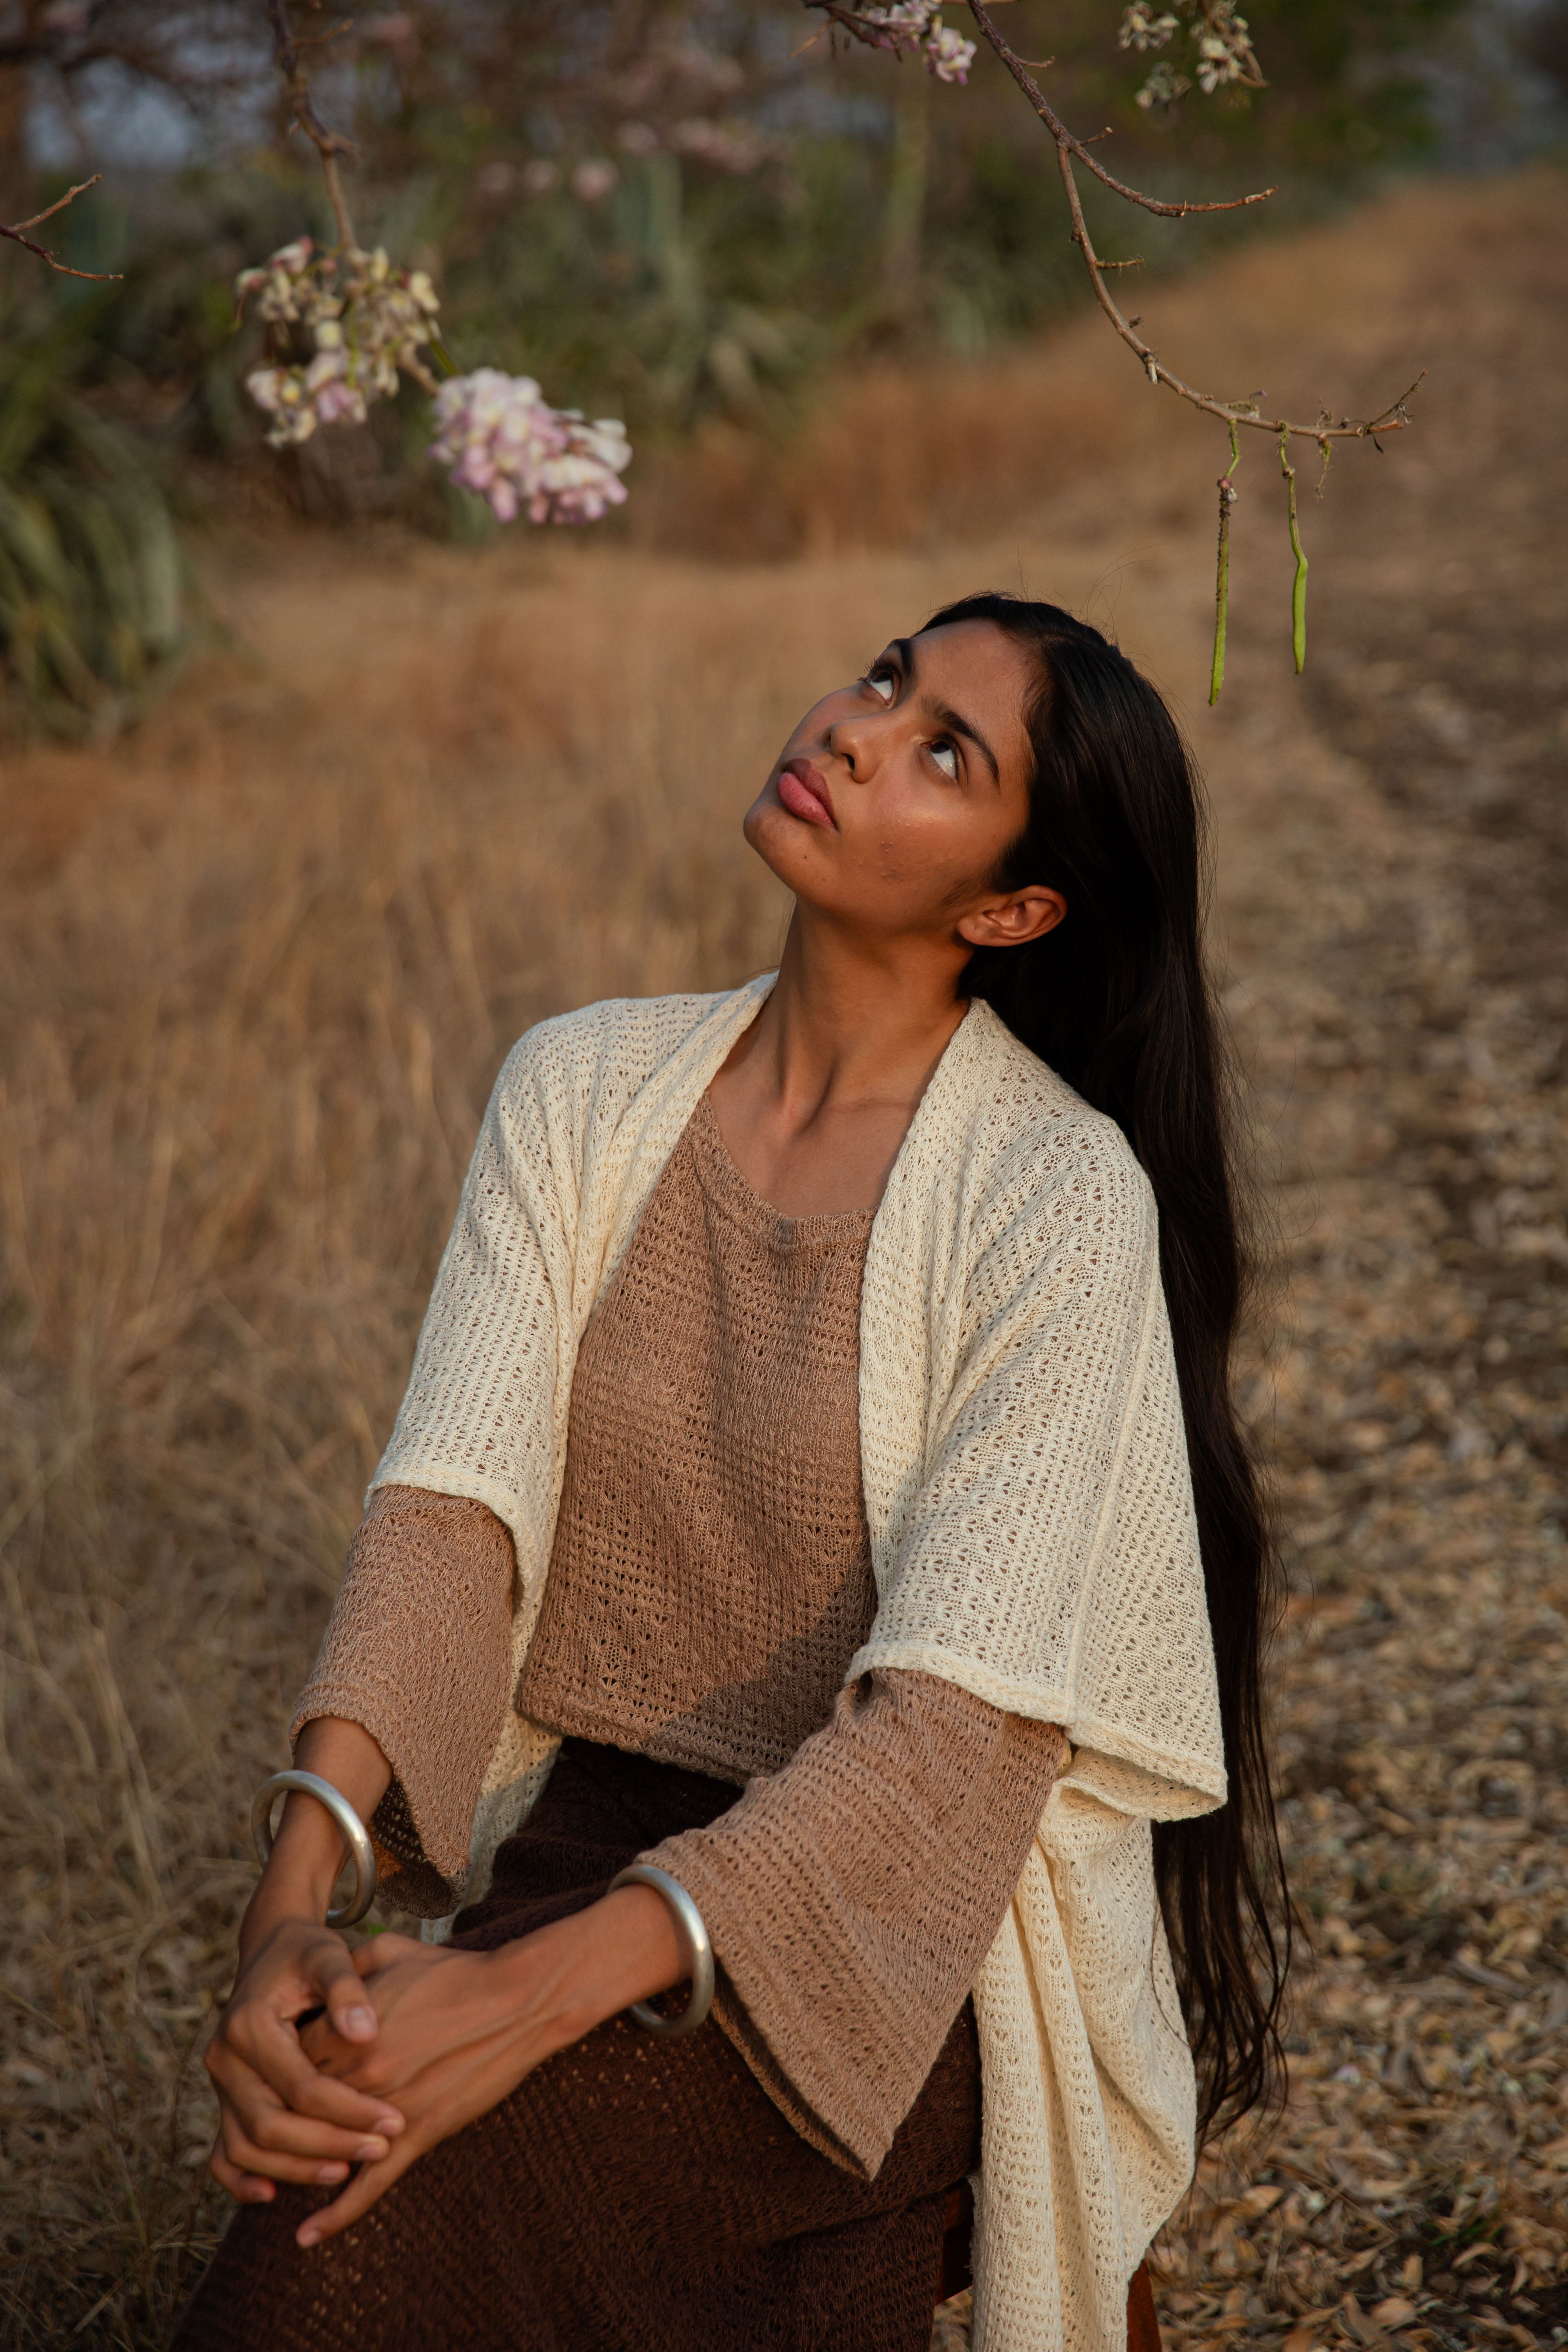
(481,1415)
(477,1418)
(1032,1511)
(585,1109)
(558,1176)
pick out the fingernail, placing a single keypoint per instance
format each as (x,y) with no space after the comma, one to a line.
(307,2234)
(363,2021)
(369,2150)
(329,2173)
(391,2124)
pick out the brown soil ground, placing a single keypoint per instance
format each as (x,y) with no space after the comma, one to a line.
(259,963)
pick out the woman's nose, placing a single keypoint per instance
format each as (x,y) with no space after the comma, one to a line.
(853,741)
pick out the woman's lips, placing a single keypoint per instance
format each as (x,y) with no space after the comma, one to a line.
(802,789)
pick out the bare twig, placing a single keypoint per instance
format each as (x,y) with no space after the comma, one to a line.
(328,144)
(1070,148)
(876,33)
(876,37)
(98,277)
(1393,419)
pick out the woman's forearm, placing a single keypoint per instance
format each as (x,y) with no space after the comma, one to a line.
(573,1974)
(308,1852)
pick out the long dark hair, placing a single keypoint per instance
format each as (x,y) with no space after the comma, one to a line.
(1117,1000)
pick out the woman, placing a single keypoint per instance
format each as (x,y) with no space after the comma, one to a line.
(817,1482)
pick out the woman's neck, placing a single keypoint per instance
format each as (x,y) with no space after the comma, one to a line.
(816,1099)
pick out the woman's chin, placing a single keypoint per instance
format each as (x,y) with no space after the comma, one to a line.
(779,840)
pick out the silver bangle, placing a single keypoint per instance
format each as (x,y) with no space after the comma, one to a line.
(693,1934)
(356,1835)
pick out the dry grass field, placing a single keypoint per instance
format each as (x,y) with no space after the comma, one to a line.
(259,963)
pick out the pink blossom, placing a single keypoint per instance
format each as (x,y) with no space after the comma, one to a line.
(503,440)
(364,319)
(948,55)
(281,393)
(915,25)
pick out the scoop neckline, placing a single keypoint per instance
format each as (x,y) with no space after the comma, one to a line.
(738,1194)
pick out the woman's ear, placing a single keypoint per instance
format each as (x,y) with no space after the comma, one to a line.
(1012,921)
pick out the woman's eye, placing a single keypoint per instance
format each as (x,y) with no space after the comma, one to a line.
(880,682)
(946,759)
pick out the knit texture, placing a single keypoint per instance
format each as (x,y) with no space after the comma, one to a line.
(417,1650)
(711,1578)
(631,2192)
(1032,1540)
(852,1897)
(710,1575)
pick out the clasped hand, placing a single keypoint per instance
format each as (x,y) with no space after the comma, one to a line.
(327,2058)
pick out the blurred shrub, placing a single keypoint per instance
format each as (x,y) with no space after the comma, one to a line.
(94,590)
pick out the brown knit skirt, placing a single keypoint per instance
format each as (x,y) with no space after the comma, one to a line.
(633,2194)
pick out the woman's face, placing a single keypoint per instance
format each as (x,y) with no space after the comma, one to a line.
(894,799)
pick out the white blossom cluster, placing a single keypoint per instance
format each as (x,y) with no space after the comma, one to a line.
(364,319)
(916,26)
(1223,52)
(1141,29)
(500,437)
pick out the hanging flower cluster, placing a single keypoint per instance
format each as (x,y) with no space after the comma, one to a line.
(1141,29)
(500,437)
(916,25)
(948,55)
(364,321)
(1222,50)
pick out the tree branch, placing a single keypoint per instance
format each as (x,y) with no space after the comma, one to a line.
(877,32)
(1068,145)
(98,277)
(1070,148)
(1393,419)
(328,144)
(878,36)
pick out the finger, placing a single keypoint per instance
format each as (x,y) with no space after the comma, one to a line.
(332,1975)
(369,2070)
(252,2045)
(279,2073)
(358,2197)
(248,2188)
(282,2133)
(249,2156)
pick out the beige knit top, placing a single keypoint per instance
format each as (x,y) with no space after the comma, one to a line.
(710,1582)
(712,1572)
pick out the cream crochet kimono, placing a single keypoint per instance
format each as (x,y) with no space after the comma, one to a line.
(1031,1535)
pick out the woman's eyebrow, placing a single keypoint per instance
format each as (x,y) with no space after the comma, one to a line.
(954,720)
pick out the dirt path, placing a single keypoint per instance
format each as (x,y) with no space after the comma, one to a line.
(1416,1083)
(1393,847)
(263,961)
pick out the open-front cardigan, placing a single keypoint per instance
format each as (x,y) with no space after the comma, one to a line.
(1033,1541)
